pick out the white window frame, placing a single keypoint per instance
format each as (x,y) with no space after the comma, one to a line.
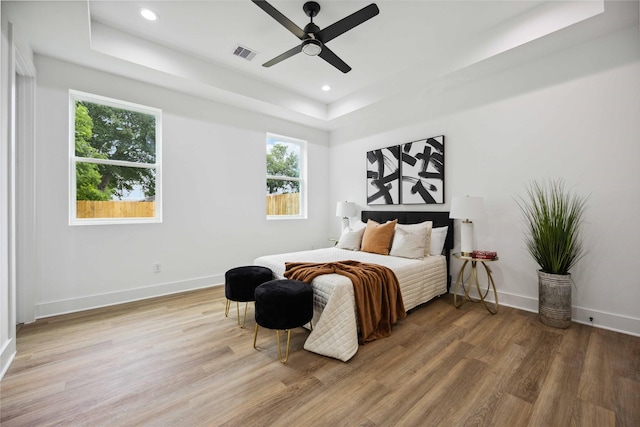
(74,96)
(302,179)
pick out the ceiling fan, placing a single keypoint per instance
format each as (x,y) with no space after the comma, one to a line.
(313,38)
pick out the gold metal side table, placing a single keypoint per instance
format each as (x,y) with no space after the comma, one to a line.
(473,281)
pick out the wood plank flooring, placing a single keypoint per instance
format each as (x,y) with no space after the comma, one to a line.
(177,360)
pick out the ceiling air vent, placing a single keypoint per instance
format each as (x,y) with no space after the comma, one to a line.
(244,52)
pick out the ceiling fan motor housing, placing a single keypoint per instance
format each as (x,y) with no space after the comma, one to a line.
(310,45)
(311,28)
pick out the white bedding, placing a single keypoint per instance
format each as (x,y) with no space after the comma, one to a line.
(335,329)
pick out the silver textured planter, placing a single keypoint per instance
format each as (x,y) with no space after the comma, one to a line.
(554,301)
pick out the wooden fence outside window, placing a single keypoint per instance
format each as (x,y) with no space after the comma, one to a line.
(277,204)
(114,209)
(283,204)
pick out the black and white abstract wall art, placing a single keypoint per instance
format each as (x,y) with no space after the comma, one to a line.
(383,176)
(422,168)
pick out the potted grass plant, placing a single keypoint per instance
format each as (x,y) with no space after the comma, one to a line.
(553,218)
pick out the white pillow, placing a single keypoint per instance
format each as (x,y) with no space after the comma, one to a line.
(351,237)
(412,237)
(408,244)
(438,237)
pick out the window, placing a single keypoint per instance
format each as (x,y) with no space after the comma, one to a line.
(115,161)
(286,177)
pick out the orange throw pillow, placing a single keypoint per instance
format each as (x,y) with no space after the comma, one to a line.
(377,237)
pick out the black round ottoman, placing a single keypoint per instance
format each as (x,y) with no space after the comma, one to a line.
(240,284)
(283,305)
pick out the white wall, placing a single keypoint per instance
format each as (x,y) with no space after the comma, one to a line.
(213,198)
(7,292)
(574,115)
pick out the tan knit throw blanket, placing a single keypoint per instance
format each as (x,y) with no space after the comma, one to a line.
(377,292)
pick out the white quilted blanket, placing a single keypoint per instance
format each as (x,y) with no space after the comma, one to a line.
(335,328)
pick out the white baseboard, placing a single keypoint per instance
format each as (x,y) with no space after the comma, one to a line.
(613,322)
(604,320)
(6,356)
(54,308)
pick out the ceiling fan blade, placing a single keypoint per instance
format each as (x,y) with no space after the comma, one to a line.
(283,20)
(328,55)
(345,24)
(287,54)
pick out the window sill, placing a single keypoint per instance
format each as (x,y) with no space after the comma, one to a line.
(285,217)
(114,221)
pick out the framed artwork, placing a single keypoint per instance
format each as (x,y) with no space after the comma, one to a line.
(383,176)
(422,169)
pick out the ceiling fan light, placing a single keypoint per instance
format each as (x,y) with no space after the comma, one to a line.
(312,47)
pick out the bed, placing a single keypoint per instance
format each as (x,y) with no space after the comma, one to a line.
(335,328)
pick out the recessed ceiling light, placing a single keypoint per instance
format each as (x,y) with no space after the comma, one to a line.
(326,88)
(148,14)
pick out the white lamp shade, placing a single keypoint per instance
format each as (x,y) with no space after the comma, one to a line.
(467,207)
(346,209)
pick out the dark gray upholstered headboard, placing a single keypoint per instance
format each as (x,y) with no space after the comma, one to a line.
(439,219)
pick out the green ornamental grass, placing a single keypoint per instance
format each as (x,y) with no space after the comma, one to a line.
(553,217)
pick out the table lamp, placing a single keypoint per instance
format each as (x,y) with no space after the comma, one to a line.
(466,208)
(346,210)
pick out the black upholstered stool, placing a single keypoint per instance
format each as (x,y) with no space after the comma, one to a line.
(240,285)
(283,305)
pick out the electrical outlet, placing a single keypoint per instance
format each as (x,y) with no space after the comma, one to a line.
(156,267)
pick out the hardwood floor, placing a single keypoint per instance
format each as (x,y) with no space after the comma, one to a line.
(178,361)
